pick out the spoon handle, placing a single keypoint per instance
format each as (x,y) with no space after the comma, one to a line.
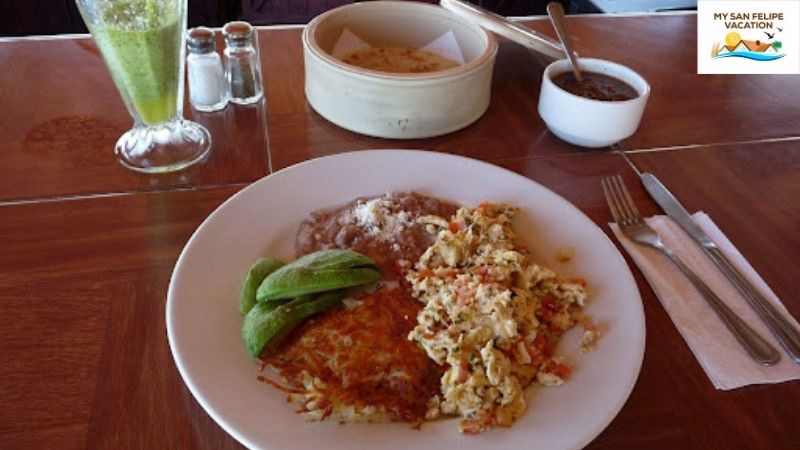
(559,20)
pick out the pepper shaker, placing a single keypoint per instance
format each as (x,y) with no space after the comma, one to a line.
(207,90)
(242,63)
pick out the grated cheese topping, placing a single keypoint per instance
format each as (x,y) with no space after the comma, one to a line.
(377,218)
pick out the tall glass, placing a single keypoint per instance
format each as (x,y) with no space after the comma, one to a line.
(142,44)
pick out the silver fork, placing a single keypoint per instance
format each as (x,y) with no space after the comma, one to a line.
(634,227)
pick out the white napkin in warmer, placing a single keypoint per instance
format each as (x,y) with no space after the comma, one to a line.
(725,362)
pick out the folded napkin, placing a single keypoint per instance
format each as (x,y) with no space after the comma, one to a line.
(725,362)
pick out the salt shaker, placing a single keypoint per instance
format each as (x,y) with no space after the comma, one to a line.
(242,63)
(207,90)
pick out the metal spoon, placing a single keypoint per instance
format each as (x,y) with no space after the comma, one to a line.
(559,20)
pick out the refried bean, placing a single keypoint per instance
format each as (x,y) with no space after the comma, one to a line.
(385,228)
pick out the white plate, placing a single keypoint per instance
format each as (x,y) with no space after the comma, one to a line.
(203,321)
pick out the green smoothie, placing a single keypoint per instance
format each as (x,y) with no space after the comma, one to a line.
(141,44)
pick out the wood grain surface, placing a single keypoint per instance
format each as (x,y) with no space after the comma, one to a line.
(88,248)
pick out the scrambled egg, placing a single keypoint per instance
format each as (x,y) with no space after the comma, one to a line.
(490,316)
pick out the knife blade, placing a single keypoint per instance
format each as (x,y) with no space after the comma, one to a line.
(784,332)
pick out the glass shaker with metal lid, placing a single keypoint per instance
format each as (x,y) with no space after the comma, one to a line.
(242,63)
(207,87)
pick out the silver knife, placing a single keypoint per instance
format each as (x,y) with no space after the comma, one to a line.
(786,334)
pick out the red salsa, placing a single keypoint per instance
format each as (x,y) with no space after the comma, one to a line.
(596,86)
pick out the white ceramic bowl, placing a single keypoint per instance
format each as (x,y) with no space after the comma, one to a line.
(402,106)
(586,122)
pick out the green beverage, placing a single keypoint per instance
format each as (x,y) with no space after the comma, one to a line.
(141,44)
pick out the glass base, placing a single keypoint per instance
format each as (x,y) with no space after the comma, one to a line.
(166,147)
(246,101)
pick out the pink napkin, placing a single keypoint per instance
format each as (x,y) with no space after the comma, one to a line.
(725,362)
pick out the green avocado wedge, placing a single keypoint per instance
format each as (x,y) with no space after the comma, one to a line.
(335,258)
(267,326)
(321,271)
(257,273)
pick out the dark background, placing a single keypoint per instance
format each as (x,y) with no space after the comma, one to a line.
(30,17)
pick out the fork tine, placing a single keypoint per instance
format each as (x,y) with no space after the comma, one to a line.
(629,200)
(616,197)
(612,202)
(619,198)
(617,188)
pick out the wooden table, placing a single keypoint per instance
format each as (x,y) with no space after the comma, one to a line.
(88,247)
